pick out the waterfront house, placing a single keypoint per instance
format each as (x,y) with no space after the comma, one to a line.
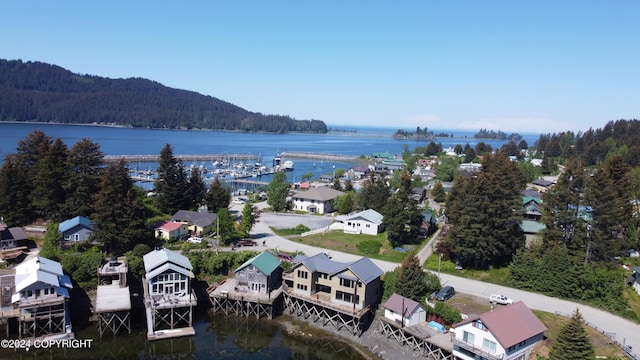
(171,230)
(404,311)
(198,222)
(169,298)
(506,333)
(318,200)
(260,274)
(41,295)
(75,230)
(354,284)
(364,222)
(11,241)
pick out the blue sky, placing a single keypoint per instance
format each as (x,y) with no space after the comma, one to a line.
(516,66)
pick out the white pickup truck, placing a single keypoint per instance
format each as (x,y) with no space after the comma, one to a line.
(500,299)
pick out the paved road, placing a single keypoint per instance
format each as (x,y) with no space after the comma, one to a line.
(622,330)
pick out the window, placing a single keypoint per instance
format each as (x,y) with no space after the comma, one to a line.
(346,283)
(468,337)
(303,274)
(301,287)
(479,325)
(488,344)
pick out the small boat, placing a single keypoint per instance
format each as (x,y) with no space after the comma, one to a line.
(288,165)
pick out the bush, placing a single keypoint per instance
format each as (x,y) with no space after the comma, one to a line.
(83,266)
(369,247)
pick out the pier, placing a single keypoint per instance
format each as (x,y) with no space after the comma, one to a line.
(113,300)
(419,338)
(228,299)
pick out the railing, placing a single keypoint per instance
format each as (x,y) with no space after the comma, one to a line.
(476,350)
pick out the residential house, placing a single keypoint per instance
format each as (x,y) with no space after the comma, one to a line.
(76,230)
(198,222)
(260,274)
(532,208)
(41,295)
(358,172)
(507,333)
(10,237)
(167,273)
(364,222)
(429,223)
(318,200)
(171,230)
(418,194)
(404,311)
(354,284)
(634,279)
(542,184)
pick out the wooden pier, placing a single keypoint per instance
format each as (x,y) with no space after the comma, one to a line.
(419,338)
(228,299)
(321,309)
(113,300)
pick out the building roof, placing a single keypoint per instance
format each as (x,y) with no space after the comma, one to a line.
(427,216)
(542,182)
(510,324)
(170,226)
(202,219)
(363,268)
(369,215)
(76,221)
(396,303)
(159,260)
(532,227)
(39,269)
(322,193)
(11,233)
(265,262)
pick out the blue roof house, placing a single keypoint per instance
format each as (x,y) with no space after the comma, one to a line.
(76,230)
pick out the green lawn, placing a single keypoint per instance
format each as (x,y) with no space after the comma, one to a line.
(339,241)
(497,276)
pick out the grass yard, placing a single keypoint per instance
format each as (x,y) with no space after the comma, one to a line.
(339,241)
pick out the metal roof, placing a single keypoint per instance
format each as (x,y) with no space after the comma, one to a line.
(157,258)
(396,303)
(202,219)
(369,215)
(76,221)
(265,262)
(322,193)
(363,268)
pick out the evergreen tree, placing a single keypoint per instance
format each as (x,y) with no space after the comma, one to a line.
(602,242)
(196,189)
(15,206)
(119,214)
(373,194)
(410,282)
(217,197)
(348,186)
(226,226)
(346,203)
(171,186)
(573,341)
(336,184)
(85,163)
(48,193)
(277,192)
(438,193)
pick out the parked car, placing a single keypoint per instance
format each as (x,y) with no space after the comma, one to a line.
(247,242)
(445,293)
(195,240)
(500,299)
(285,257)
(238,201)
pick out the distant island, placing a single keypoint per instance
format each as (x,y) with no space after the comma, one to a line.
(419,134)
(498,135)
(36,91)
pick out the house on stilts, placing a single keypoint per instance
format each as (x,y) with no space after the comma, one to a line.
(168,296)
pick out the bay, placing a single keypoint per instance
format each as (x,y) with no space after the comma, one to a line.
(220,336)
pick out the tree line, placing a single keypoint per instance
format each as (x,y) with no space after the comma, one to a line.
(35,91)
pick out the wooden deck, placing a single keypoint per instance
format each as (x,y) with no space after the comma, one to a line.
(110,298)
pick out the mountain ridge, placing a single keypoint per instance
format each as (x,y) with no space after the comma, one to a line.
(37,91)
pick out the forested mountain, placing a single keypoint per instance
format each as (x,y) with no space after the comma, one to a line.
(35,91)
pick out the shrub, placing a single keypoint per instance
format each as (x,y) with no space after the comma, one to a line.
(369,246)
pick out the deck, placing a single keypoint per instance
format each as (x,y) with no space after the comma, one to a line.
(171,333)
(111,298)
(228,290)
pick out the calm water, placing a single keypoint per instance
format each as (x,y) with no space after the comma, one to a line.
(221,337)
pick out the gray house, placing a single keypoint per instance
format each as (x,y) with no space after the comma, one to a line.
(76,230)
(262,273)
(199,223)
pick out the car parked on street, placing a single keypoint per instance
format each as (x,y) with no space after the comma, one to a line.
(247,242)
(500,299)
(238,201)
(445,293)
(195,240)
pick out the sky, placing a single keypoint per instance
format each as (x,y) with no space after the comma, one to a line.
(539,66)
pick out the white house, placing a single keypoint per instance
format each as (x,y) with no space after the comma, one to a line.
(507,333)
(404,311)
(168,273)
(318,200)
(364,222)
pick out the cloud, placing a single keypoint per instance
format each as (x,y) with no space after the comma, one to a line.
(518,125)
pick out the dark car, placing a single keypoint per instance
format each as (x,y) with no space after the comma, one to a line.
(445,293)
(247,242)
